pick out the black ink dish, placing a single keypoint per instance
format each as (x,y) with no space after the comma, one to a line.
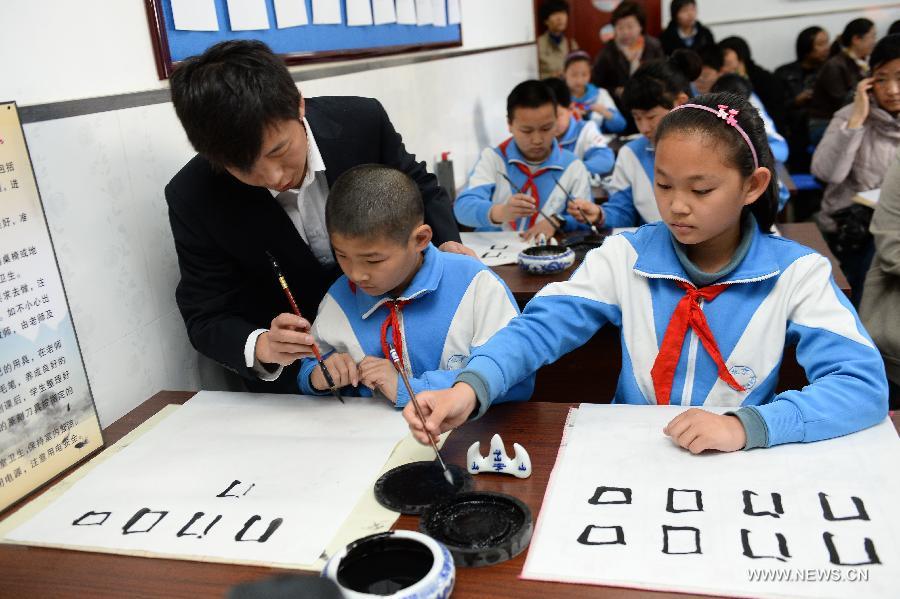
(479,529)
(411,488)
(582,244)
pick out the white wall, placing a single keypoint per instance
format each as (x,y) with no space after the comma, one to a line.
(771,26)
(101,175)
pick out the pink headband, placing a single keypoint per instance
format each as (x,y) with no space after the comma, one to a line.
(727,115)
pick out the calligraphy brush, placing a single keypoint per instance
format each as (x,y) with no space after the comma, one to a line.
(290,296)
(577,207)
(540,211)
(412,397)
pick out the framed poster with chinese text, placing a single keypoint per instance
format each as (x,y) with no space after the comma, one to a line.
(47,417)
(303,30)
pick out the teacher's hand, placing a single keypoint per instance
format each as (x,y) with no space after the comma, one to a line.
(455,247)
(286,341)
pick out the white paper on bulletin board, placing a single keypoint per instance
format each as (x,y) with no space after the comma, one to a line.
(249,478)
(627,507)
(47,416)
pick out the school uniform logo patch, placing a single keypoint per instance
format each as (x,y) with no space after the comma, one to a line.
(744,375)
(456,361)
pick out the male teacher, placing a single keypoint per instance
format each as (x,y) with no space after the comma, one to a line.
(266,159)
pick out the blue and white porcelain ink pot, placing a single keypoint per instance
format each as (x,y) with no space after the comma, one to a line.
(400,564)
(546,259)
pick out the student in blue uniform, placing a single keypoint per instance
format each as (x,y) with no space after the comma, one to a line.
(399,290)
(590,102)
(526,175)
(578,136)
(653,90)
(706,302)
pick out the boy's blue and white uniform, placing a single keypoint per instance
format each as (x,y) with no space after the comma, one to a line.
(452,305)
(593,95)
(583,139)
(487,186)
(777,143)
(632,200)
(781,293)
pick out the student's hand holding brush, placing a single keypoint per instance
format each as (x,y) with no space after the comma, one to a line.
(443,410)
(519,205)
(586,211)
(343,370)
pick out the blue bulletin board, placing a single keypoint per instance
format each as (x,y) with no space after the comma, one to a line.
(298,44)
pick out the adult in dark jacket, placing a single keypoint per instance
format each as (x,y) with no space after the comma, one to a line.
(684,30)
(841,74)
(766,85)
(266,158)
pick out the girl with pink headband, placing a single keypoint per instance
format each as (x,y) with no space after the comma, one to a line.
(706,301)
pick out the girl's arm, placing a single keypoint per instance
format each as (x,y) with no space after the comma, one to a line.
(834,156)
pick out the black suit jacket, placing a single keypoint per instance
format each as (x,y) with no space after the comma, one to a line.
(223,228)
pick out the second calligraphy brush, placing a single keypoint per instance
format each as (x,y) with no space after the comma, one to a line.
(540,211)
(280,276)
(569,198)
(412,397)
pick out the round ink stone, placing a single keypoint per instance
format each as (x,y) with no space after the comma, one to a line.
(411,488)
(481,528)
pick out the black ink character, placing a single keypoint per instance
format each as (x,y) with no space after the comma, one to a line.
(681,540)
(126,530)
(90,519)
(776,505)
(833,557)
(694,504)
(829,515)
(235,483)
(782,547)
(600,538)
(184,531)
(273,526)
(620,495)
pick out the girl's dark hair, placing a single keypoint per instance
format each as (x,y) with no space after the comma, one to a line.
(733,83)
(886,50)
(629,9)
(696,122)
(677,5)
(855,28)
(894,28)
(806,39)
(576,56)
(739,46)
(660,82)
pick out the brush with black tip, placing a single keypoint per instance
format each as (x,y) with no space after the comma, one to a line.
(290,296)
(552,221)
(412,397)
(569,198)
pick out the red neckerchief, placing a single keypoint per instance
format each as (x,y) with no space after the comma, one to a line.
(392,320)
(687,314)
(529,183)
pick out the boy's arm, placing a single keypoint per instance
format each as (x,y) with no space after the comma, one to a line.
(615,124)
(848,387)
(330,330)
(619,210)
(474,203)
(598,157)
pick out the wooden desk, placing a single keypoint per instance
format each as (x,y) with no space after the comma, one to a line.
(590,372)
(40,572)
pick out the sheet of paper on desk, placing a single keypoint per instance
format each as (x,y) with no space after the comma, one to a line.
(248,477)
(626,507)
(868,198)
(495,248)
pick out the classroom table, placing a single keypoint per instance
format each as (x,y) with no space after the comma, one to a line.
(536,425)
(590,372)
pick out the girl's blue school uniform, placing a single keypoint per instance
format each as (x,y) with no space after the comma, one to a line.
(592,95)
(452,305)
(632,199)
(777,143)
(560,177)
(780,294)
(583,139)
